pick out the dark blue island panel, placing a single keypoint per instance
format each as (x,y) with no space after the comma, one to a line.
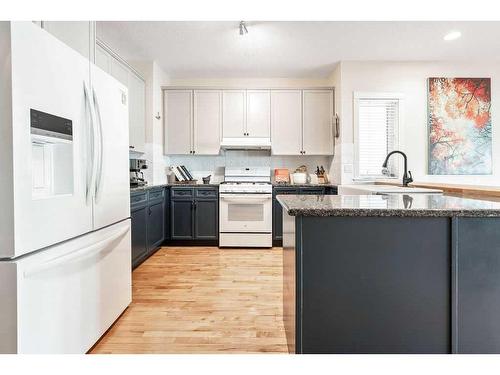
(370,285)
(476,293)
(395,284)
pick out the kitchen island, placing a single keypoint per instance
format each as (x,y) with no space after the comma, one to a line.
(391,274)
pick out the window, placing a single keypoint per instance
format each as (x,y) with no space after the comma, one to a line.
(376,128)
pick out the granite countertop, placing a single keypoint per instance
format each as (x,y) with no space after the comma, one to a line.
(215,184)
(147,187)
(399,205)
(288,184)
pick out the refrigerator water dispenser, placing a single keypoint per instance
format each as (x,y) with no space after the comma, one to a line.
(52,155)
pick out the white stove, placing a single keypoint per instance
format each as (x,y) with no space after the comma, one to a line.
(245,208)
(246,187)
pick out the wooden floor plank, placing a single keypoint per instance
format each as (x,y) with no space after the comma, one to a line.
(203,300)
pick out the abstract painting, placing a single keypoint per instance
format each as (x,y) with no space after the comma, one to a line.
(459,126)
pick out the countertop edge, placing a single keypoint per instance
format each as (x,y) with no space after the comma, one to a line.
(377,212)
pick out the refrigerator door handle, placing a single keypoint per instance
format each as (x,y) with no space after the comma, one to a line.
(100,152)
(78,253)
(91,176)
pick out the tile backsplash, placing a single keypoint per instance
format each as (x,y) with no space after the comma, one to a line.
(202,165)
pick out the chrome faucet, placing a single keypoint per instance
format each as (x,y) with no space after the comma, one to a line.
(407,177)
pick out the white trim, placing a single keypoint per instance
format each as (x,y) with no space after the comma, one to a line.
(116,56)
(377,95)
(357,95)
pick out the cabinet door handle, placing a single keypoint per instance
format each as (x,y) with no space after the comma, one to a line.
(149,211)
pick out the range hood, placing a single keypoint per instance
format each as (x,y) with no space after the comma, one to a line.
(246,143)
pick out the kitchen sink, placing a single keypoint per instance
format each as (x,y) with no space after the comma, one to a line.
(368,189)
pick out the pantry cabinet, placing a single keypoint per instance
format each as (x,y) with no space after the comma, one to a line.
(110,63)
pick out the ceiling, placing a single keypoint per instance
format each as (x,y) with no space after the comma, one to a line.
(292,49)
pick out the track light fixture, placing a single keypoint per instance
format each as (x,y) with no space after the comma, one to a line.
(243,28)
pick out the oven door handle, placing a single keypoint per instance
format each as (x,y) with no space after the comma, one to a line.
(245,198)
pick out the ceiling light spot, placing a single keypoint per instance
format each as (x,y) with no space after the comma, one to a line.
(452,35)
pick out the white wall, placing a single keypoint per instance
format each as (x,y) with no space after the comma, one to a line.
(155,78)
(410,79)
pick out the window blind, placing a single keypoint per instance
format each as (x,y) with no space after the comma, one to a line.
(377,135)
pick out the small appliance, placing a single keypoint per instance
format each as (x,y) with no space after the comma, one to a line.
(136,172)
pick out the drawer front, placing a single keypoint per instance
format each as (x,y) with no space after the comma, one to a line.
(138,198)
(178,192)
(156,194)
(285,191)
(206,193)
(313,191)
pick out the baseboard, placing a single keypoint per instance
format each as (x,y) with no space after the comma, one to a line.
(191,243)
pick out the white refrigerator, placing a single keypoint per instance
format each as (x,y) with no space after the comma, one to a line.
(65,250)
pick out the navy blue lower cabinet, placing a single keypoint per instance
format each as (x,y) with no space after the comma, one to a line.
(139,218)
(206,223)
(147,211)
(194,213)
(156,218)
(166,226)
(181,219)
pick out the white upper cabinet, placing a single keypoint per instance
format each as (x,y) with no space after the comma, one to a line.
(136,95)
(258,121)
(233,113)
(317,122)
(79,35)
(178,107)
(207,121)
(137,113)
(286,122)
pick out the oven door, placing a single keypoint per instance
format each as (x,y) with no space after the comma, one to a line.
(245,213)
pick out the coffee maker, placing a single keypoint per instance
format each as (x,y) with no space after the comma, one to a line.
(136,172)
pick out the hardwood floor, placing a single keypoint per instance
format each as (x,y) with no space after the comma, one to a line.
(203,300)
